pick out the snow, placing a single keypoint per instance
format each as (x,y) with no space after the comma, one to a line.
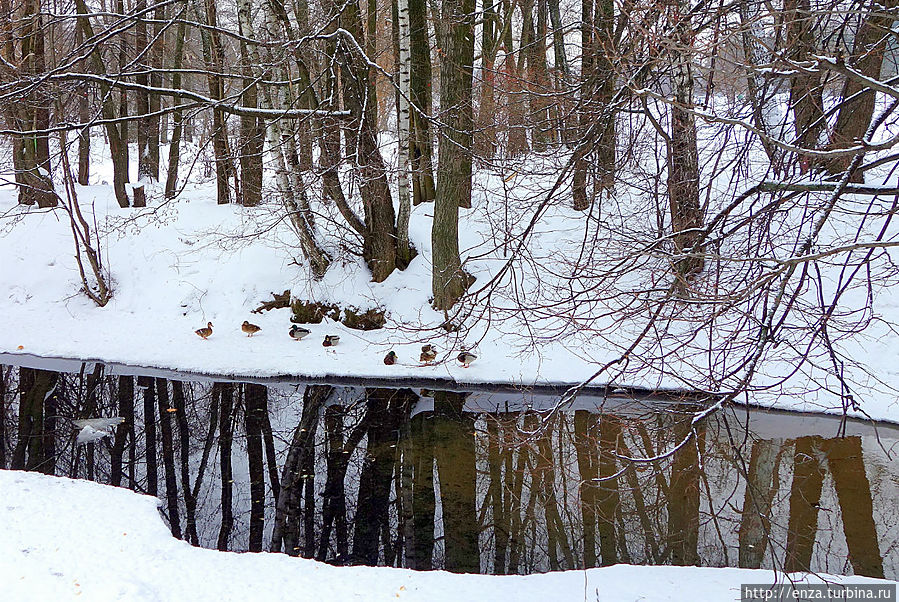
(177,265)
(66,539)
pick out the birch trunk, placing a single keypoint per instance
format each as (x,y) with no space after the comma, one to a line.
(318,258)
(405,93)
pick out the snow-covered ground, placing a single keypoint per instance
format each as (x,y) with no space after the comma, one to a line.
(191,262)
(177,265)
(66,539)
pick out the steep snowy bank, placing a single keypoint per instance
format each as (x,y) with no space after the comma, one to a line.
(77,540)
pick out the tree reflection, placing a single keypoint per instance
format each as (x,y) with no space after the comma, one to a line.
(761,487)
(454,450)
(382,476)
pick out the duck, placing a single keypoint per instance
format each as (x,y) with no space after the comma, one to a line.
(466,357)
(204,333)
(390,358)
(298,332)
(428,354)
(250,329)
(331,340)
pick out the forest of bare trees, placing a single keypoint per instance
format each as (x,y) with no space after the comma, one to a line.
(727,153)
(725,173)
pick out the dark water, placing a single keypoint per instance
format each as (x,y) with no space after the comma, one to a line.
(478,481)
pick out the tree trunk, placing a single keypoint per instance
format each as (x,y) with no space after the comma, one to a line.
(514,486)
(485,134)
(544,470)
(298,211)
(255,406)
(496,491)
(190,500)
(456,79)
(537,74)
(379,247)
(213,57)
(385,409)
(124,431)
(404,139)
(608,499)
(683,496)
(604,72)
(805,88)
(168,456)
(30,453)
(846,462)
(585,435)
(330,157)
(121,160)
(306,129)
(3,434)
(761,486)
(208,442)
(683,154)
(334,495)
(867,57)
(805,496)
(84,116)
(454,451)
(516,104)
(141,96)
(32,160)
(271,459)
(423,189)
(146,383)
(154,102)
(421,548)
(252,131)
(309,502)
(286,531)
(226,439)
(456,34)
(117,139)
(579,188)
(765,111)
(404,477)
(555,17)
(171,181)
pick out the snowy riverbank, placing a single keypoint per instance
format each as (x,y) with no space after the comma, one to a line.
(176,266)
(77,540)
(193,262)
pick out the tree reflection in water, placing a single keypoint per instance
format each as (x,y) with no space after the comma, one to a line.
(468,481)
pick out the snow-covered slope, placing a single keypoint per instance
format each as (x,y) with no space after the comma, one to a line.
(76,540)
(191,262)
(177,265)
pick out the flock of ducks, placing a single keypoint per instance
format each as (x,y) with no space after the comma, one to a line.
(90,430)
(298,333)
